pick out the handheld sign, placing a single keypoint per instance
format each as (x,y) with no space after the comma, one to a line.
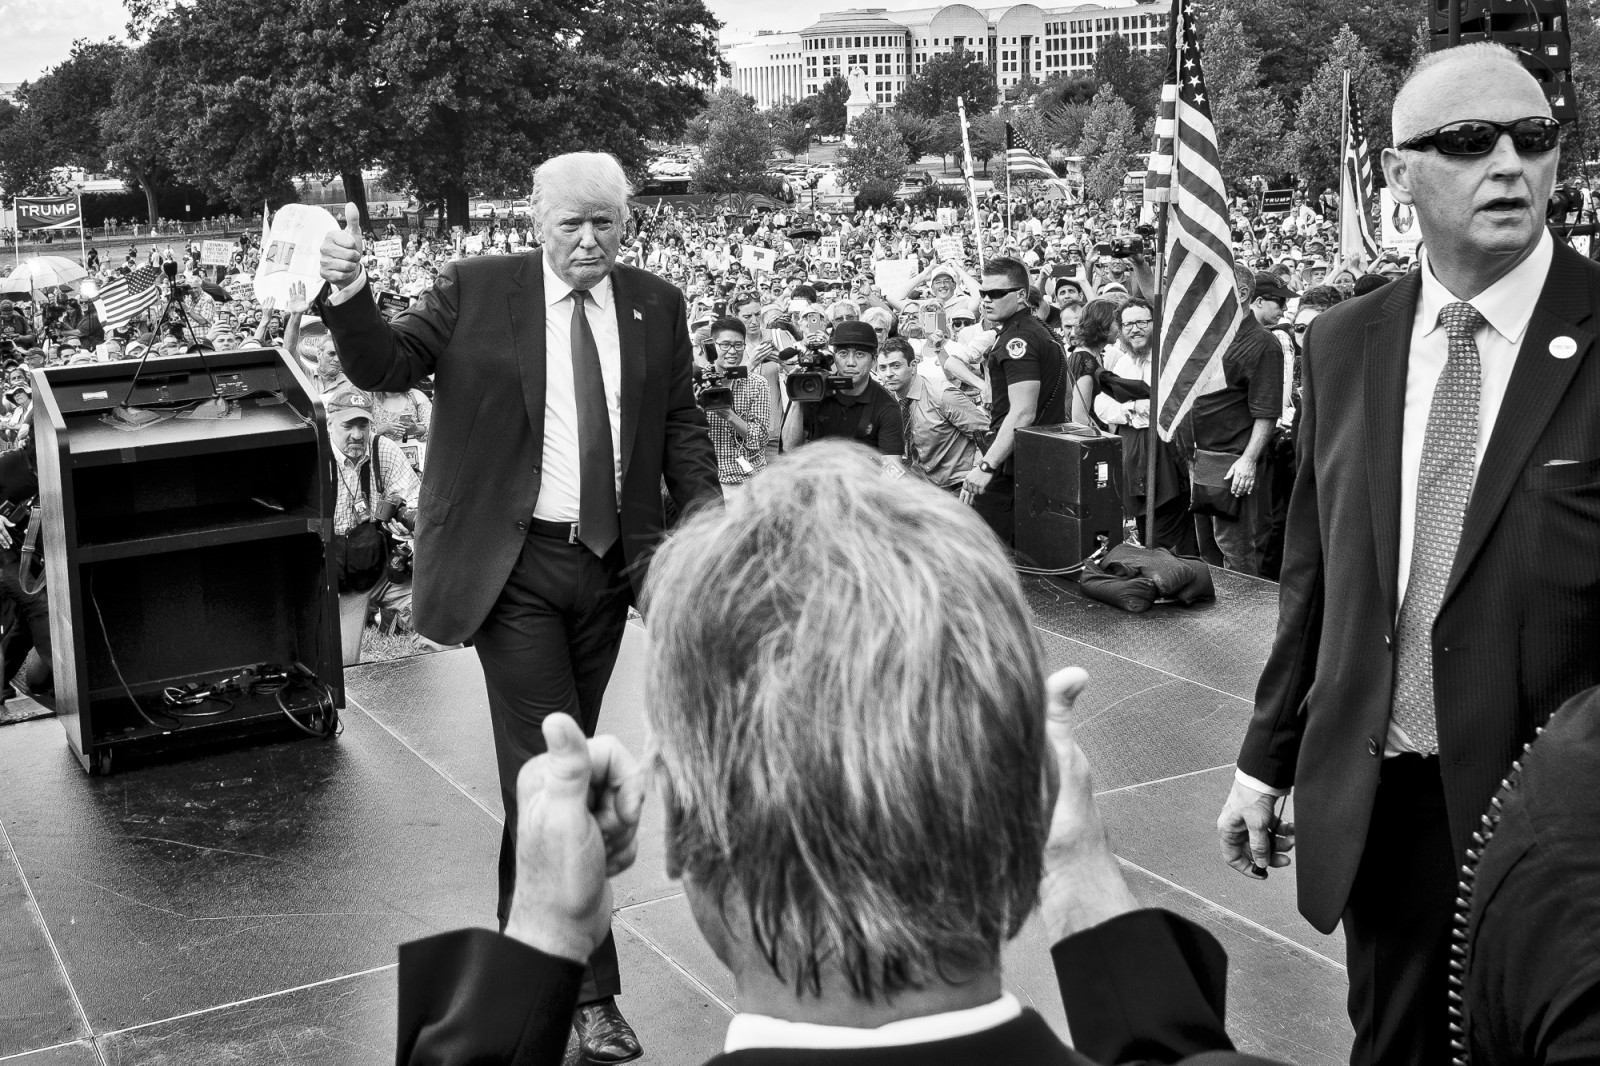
(293,253)
(758,260)
(951,248)
(894,273)
(828,248)
(1277,201)
(389,248)
(390,304)
(946,216)
(217,253)
(1400,229)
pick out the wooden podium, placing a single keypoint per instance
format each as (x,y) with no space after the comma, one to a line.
(186,552)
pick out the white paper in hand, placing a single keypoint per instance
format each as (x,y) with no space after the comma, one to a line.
(293,252)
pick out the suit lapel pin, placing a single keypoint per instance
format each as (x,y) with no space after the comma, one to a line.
(1563,347)
(638,315)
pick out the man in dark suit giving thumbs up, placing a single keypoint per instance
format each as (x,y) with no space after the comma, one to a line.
(562,399)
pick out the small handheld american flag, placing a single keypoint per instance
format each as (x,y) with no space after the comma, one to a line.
(125,297)
(1021,160)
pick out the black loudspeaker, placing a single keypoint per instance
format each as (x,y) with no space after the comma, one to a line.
(186,552)
(1068,495)
(1536,30)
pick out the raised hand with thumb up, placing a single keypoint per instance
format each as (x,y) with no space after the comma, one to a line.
(341,250)
(578,809)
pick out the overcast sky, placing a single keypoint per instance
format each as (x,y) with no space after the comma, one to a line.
(39,33)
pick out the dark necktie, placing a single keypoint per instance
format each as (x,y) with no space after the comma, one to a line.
(597,472)
(1444,485)
(905,427)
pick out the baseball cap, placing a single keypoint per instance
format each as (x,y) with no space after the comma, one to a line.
(1268,285)
(854,334)
(345,405)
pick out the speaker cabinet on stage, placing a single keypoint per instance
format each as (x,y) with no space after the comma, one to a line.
(1068,494)
(185,551)
(1536,30)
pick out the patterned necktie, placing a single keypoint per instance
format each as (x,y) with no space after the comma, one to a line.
(905,427)
(597,473)
(1444,485)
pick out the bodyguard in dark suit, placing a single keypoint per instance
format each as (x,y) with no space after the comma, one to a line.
(562,399)
(1441,584)
(858,827)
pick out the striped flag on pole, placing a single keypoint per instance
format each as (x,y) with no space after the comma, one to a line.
(1021,160)
(126,296)
(1356,191)
(1200,309)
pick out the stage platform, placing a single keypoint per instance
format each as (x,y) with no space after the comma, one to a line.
(245,906)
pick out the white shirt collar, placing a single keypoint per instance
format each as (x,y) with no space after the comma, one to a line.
(556,290)
(761,1031)
(1507,305)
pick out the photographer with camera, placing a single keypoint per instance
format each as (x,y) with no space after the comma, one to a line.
(738,406)
(373,516)
(854,407)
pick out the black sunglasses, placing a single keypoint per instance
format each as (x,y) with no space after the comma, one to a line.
(1478,136)
(995,294)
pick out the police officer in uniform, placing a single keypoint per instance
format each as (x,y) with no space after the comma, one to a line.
(1027,380)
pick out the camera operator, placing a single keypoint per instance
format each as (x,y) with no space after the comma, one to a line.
(860,410)
(372,515)
(739,429)
(26,617)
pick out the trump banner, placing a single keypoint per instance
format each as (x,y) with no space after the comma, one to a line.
(48,212)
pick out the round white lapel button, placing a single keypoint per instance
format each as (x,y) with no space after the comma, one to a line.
(1563,347)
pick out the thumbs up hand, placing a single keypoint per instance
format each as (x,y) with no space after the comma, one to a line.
(341,251)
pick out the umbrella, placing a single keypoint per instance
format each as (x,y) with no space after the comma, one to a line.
(46,270)
(15,287)
(928,227)
(806,233)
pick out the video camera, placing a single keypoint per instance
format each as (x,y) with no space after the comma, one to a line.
(813,379)
(1124,247)
(1565,201)
(713,389)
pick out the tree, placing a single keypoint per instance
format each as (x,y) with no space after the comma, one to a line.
(1313,145)
(1136,77)
(1295,36)
(920,135)
(1109,143)
(137,130)
(987,136)
(737,148)
(1251,121)
(793,137)
(25,160)
(1062,89)
(1583,20)
(945,76)
(875,160)
(828,113)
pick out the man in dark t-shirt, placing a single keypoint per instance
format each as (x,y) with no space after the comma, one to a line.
(1238,420)
(1027,383)
(862,411)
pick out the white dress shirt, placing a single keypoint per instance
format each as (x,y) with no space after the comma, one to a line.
(761,1031)
(1507,307)
(558,489)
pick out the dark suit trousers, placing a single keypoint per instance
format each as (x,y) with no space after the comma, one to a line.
(1397,923)
(549,645)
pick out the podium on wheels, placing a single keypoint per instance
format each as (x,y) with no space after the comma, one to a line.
(186,509)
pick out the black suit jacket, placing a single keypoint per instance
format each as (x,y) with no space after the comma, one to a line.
(1144,987)
(480,332)
(1518,631)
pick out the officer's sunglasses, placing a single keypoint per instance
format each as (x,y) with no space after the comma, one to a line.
(1478,136)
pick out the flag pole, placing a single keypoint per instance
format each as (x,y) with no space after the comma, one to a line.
(1344,148)
(83,254)
(972,192)
(1157,302)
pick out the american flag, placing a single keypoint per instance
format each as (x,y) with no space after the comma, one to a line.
(124,297)
(1200,310)
(1356,192)
(1021,160)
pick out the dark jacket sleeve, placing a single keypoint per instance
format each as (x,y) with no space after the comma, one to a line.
(1144,986)
(1272,740)
(392,357)
(472,997)
(688,461)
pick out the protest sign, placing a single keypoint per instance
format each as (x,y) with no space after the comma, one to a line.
(293,253)
(828,248)
(894,273)
(946,216)
(217,253)
(389,248)
(1400,230)
(758,260)
(47,212)
(390,304)
(1277,201)
(950,248)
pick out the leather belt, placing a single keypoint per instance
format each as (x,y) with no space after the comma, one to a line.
(567,531)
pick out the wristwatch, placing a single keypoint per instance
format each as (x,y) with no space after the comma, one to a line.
(983,464)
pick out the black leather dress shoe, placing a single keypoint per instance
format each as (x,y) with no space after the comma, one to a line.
(604,1034)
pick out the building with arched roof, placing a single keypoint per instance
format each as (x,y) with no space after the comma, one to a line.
(1017,43)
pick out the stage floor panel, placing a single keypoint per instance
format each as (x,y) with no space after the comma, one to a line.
(245,905)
